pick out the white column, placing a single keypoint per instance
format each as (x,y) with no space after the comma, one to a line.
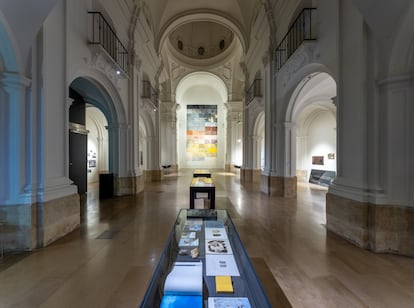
(15,141)
(229,120)
(256,152)
(168,134)
(118,154)
(352,118)
(270,119)
(134,87)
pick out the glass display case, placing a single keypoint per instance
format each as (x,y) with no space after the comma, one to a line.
(202,185)
(199,230)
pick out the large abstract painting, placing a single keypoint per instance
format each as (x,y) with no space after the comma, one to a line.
(201,132)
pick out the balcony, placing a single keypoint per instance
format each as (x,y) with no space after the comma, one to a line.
(149,92)
(302,29)
(103,35)
(255,90)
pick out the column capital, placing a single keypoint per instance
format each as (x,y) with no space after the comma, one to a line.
(10,80)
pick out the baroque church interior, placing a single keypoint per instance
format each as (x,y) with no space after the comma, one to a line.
(306,107)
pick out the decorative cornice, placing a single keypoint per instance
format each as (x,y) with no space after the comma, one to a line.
(301,57)
(100,62)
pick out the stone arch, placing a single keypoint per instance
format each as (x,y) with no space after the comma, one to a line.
(202,88)
(215,81)
(111,103)
(310,104)
(98,91)
(299,100)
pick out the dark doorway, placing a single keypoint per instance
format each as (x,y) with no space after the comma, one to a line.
(77,160)
(78,142)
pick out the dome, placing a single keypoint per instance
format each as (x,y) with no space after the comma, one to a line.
(201,39)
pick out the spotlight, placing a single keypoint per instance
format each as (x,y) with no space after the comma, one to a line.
(118,72)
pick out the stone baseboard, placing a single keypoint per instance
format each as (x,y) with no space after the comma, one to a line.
(251,175)
(348,218)
(18,229)
(128,185)
(139,184)
(29,226)
(279,186)
(60,217)
(380,228)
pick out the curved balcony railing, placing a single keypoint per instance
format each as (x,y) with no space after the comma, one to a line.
(253,91)
(150,93)
(102,34)
(302,29)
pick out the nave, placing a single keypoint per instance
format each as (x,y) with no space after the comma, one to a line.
(110,259)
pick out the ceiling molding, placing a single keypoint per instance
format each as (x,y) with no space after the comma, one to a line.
(202,15)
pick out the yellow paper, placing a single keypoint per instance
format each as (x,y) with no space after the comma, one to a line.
(224,284)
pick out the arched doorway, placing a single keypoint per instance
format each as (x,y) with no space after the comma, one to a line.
(201,121)
(93,139)
(259,135)
(313,111)
(257,140)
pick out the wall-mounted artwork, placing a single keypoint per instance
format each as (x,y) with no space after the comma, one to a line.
(317,160)
(331,155)
(92,163)
(201,132)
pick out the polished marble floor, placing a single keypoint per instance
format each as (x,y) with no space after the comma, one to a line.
(109,260)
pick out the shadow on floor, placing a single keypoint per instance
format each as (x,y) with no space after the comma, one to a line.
(273,291)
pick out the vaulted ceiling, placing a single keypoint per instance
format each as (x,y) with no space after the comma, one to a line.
(200,35)
(164,12)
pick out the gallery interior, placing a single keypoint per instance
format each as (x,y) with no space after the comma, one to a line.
(301,109)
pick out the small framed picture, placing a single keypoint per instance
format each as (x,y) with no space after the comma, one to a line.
(317,160)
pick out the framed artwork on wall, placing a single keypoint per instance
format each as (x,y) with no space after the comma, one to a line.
(317,160)
(201,132)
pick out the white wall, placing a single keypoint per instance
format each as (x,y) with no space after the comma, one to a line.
(321,141)
(318,138)
(97,143)
(237,143)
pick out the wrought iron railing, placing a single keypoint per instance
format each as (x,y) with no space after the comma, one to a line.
(102,34)
(301,30)
(253,91)
(150,92)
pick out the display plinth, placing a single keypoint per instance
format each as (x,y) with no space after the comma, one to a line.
(203,186)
